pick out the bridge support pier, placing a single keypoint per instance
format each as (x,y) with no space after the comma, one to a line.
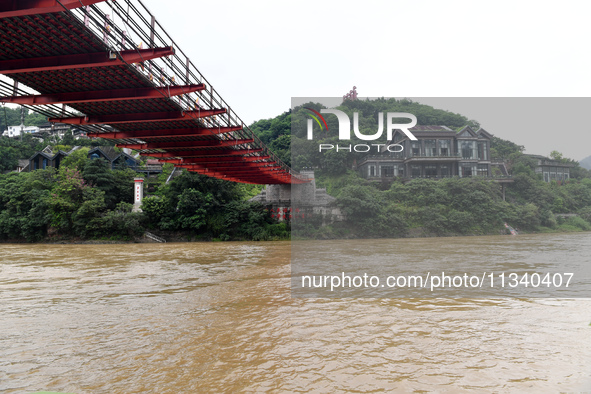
(299,200)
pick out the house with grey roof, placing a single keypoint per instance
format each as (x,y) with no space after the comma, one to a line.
(115,158)
(439,152)
(23,165)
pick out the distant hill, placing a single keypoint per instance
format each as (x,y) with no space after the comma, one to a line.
(586,163)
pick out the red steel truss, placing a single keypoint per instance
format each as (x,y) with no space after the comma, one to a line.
(102,95)
(10,8)
(129,82)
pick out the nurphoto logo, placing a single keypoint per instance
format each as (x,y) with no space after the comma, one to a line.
(345,130)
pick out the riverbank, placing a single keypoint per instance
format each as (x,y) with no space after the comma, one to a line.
(176,237)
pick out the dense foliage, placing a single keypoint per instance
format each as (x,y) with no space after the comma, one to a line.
(85,199)
(454,206)
(425,207)
(210,208)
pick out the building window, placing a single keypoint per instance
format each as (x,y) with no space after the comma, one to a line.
(445,171)
(372,171)
(466,170)
(94,156)
(444,148)
(401,171)
(415,171)
(482,170)
(467,149)
(415,148)
(44,163)
(388,171)
(430,148)
(482,151)
(431,171)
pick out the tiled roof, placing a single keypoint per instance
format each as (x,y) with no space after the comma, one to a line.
(108,151)
(47,156)
(430,128)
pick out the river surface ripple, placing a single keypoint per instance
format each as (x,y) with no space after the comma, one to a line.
(219,318)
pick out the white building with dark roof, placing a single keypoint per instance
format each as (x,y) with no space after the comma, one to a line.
(15,131)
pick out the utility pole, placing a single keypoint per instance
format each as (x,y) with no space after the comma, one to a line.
(22,121)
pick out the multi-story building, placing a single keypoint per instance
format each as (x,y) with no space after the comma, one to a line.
(15,131)
(551,170)
(440,152)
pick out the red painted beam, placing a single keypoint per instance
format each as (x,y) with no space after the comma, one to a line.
(224,167)
(244,159)
(259,180)
(139,118)
(146,134)
(187,144)
(217,174)
(197,153)
(12,8)
(251,174)
(103,95)
(246,172)
(85,60)
(255,181)
(261,164)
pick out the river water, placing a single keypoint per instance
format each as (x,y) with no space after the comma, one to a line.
(220,318)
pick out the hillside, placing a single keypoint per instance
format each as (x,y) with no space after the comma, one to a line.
(426,207)
(586,163)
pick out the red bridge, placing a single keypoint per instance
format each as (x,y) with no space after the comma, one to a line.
(109,68)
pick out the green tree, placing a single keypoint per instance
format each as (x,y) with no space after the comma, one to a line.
(193,208)
(8,158)
(76,160)
(98,174)
(68,138)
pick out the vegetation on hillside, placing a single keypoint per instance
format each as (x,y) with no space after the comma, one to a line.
(87,200)
(452,206)
(424,207)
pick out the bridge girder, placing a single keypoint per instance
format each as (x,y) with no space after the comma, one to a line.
(12,8)
(165,133)
(197,154)
(195,160)
(103,95)
(85,60)
(139,117)
(188,144)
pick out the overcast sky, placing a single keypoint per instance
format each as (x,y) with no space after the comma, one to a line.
(259,54)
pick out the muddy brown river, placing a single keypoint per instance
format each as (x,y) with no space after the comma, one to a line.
(220,318)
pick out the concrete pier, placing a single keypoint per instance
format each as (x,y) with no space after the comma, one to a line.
(299,200)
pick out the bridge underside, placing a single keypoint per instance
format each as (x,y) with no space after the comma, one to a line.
(126,81)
